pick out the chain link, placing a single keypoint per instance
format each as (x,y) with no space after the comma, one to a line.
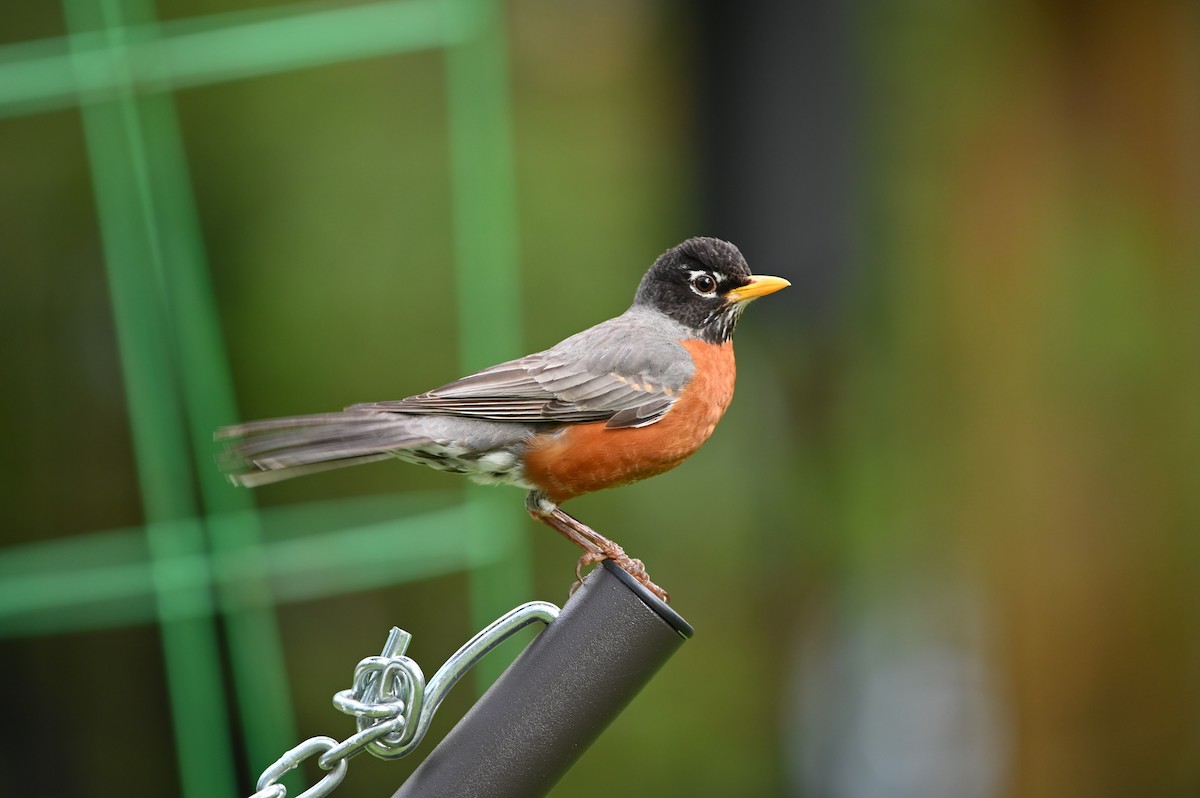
(384,687)
(391,703)
(269,779)
(272,791)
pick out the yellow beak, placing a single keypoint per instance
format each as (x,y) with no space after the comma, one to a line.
(759,285)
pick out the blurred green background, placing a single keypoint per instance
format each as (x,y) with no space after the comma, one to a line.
(944,543)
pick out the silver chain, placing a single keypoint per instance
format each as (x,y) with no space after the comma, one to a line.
(391,703)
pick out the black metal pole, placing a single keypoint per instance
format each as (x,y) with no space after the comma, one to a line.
(562,691)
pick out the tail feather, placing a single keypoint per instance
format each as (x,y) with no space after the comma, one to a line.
(262,452)
(248,428)
(252,479)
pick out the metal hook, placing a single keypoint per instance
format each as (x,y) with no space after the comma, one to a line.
(392,704)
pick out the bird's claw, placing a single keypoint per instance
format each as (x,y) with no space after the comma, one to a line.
(591,558)
(633,567)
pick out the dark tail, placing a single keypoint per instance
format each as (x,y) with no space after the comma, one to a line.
(261,452)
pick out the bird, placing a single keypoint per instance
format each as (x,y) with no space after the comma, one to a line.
(626,399)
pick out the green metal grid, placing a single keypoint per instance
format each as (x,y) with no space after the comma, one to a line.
(203,557)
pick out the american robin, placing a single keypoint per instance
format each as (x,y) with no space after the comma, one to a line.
(621,401)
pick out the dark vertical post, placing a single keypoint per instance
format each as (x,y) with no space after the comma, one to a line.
(775,113)
(558,696)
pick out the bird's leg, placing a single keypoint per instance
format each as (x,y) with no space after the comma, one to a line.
(596,547)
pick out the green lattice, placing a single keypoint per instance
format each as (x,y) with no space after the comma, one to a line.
(120,67)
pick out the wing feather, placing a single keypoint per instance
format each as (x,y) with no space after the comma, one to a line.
(600,374)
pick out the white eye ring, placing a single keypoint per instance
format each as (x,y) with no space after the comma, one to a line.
(703,284)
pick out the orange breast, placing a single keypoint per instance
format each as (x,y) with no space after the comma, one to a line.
(581,458)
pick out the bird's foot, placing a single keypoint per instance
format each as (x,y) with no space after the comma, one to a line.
(596,547)
(632,566)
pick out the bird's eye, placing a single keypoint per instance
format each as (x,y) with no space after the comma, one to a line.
(704,283)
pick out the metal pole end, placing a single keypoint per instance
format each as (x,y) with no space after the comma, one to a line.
(660,607)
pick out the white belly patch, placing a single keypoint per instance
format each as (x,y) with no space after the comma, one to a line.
(497,467)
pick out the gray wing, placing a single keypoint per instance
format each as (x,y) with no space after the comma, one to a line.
(622,371)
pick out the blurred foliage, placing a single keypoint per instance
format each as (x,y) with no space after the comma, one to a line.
(993,454)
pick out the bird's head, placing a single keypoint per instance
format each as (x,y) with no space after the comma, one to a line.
(704,284)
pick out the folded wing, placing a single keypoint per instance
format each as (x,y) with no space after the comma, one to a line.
(597,375)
